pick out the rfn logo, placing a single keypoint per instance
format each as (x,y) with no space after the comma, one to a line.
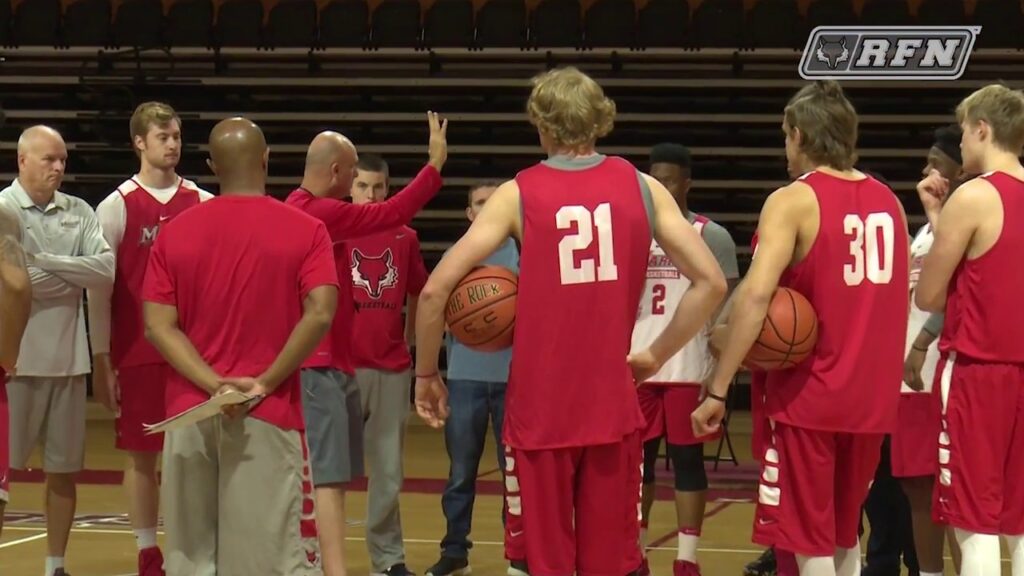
(888,52)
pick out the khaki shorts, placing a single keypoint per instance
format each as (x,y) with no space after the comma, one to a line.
(236,500)
(49,412)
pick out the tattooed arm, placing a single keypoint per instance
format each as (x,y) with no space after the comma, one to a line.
(15,291)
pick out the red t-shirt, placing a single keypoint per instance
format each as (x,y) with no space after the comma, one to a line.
(385,269)
(238,268)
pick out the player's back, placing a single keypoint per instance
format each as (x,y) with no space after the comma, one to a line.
(585,240)
(984,318)
(856,276)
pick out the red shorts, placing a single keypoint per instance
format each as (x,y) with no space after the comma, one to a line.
(142,402)
(981,447)
(5,445)
(913,441)
(667,409)
(579,509)
(813,484)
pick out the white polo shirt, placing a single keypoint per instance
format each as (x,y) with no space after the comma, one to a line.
(66,253)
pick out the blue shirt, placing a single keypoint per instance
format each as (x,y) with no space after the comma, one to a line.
(467,364)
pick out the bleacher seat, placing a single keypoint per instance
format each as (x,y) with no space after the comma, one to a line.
(663,24)
(5,22)
(344,24)
(37,23)
(774,24)
(556,24)
(87,23)
(139,23)
(1001,22)
(190,23)
(292,24)
(718,24)
(396,24)
(501,24)
(831,13)
(941,13)
(449,23)
(610,24)
(239,23)
(885,13)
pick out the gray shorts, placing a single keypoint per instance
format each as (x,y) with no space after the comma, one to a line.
(334,425)
(49,412)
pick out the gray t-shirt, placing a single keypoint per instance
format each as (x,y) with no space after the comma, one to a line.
(721,245)
(467,364)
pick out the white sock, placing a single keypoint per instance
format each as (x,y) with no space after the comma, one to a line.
(980,553)
(145,538)
(52,563)
(688,541)
(848,561)
(816,565)
(1016,546)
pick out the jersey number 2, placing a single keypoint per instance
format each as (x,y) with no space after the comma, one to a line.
(586,221)
(870,260)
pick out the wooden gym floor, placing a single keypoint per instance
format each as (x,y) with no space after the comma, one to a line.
(102,544)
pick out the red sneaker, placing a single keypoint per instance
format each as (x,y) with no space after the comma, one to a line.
(151,562)
(684,568)
(645,570)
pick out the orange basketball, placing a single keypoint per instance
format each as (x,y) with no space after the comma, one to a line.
(788,335)
(481,311)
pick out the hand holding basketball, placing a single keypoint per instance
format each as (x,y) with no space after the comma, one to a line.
(788,335)
(481,311)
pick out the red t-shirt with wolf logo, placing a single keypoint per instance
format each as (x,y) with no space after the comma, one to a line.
(386,268)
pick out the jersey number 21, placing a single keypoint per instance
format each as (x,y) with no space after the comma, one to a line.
(585,221)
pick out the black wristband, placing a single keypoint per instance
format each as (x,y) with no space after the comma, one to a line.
(716,396)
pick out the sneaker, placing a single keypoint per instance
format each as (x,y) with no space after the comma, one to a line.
(684,568)
(398,570)
(763,566)
(60,572)
(645,569)
(448,566)
(151,562)
(518,568)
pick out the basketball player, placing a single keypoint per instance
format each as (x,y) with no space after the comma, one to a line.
(66,253)
(387,270)
(231,306)
(15,307)
(585,222)
(673,393)
(331,399)
(973,273)
(128,373)
(838,237)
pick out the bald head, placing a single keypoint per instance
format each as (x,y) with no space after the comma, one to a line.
(42,157)
(330,165)
(238,156)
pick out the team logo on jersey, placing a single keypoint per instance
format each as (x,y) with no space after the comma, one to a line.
(374,273)
(888,52)
(660,266)
(148,234)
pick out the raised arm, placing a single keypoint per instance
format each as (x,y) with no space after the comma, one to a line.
(94,267)
(15,291)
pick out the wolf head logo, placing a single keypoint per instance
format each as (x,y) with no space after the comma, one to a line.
(832,52)
(374,273)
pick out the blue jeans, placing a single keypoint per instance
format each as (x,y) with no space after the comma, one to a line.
(471,404)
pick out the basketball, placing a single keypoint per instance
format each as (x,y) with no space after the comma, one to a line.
(481,312)
(788,335)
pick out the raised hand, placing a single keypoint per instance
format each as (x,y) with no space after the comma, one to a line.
(437,147)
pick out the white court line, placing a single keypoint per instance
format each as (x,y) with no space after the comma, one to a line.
(23,540)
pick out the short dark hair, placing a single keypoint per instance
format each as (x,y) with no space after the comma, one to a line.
(671,153)
(947,139)
(479,185)
(371,163)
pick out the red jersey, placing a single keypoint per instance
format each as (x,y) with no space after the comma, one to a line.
(386,268)
(984,319)
(346,221)
(144,216)
(856,276)
(239,291)
(585,241)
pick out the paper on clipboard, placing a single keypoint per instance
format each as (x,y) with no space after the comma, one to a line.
(207,409)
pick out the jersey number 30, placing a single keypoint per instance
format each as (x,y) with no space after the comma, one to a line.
(586,221)
(870,260)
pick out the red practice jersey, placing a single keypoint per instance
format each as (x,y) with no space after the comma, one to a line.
(385,269)
(856,276)
(984,317)
(587,227)
(144,216)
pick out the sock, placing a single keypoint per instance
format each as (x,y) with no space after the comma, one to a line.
(145,538)
(848,561)
(1016,546)
(816,565)
(52,563)
(688,540)
(980,553)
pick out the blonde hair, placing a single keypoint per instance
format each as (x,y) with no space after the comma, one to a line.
(1002,109)
(570,108)
(156,113)
(827,122)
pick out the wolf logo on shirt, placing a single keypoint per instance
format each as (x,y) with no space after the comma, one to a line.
(374,273)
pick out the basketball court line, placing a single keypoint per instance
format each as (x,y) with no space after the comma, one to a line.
(25,540)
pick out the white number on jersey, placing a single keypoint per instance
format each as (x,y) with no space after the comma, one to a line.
(870,260)
(586,221)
